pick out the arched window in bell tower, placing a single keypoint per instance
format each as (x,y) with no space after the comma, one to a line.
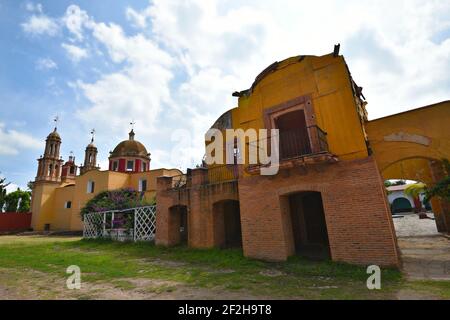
(50,163)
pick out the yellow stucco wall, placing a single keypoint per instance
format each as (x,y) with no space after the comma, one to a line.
(42,204)
(404,145)
(417,135)
(327,81)
(49,198)
(62,216)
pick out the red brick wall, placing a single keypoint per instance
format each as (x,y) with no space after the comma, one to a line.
(13,221)
(200,200)
(358,218)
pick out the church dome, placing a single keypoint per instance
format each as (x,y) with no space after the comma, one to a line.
(54,135)
(130,148)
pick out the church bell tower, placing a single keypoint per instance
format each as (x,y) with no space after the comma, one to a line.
(90,156)
(49,165)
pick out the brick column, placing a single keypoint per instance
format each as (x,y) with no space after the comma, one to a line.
(163,203)
(199,176)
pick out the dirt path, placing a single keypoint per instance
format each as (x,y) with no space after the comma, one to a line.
(29,284)
(425,253)
(426,258)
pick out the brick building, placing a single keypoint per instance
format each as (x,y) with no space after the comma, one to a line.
(327,199)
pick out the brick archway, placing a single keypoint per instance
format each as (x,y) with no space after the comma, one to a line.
(227,224)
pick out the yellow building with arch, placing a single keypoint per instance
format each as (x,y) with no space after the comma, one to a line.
(410,145)
(59,192)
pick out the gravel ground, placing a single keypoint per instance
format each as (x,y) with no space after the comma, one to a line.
(425,252)
(411,226)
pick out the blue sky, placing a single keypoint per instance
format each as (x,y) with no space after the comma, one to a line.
(172,65)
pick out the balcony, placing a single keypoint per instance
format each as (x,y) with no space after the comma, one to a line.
(211,175)
(307,144)
(300,142)
(223,173)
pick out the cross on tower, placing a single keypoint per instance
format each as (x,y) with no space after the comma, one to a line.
(56,119)
(132,123)
(93,135)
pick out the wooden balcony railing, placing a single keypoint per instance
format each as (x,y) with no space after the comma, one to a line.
(297,143)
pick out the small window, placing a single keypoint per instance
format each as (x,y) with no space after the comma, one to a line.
(142,185)
(144,166)
(90,186)
(130,164)
(68,204)
(115,165)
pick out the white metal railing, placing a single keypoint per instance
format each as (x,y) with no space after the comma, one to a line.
(135,224)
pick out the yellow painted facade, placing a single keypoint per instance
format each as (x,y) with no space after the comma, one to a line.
(407,146)
(326,81)
(49,199)
(403,143)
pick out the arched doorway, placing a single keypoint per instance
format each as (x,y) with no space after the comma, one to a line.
(179,225)
(294,138)
(227,224)
(401,205)
(308,225)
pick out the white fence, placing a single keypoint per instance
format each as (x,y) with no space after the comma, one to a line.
(135,224)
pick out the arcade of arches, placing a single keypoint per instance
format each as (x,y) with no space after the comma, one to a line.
(411,145)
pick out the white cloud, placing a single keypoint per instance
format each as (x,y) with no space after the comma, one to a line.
(388,45)
(40,25)
(75,53)
(180,73)
(12,141)
(76,20)
(138,19)
(12,187)
(46,64)
(138,90)
(30,6)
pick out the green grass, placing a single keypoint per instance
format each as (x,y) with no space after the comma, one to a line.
(116,263)
(439,288)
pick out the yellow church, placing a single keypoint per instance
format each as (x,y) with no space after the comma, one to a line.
(59,191)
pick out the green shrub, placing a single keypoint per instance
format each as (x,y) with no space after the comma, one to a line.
(119,199)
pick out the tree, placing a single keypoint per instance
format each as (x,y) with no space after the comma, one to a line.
(442,188)
(12,201)
(25,202)
(18,201)
(3,186)
(416,189)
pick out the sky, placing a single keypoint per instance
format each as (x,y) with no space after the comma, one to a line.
(171,67)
